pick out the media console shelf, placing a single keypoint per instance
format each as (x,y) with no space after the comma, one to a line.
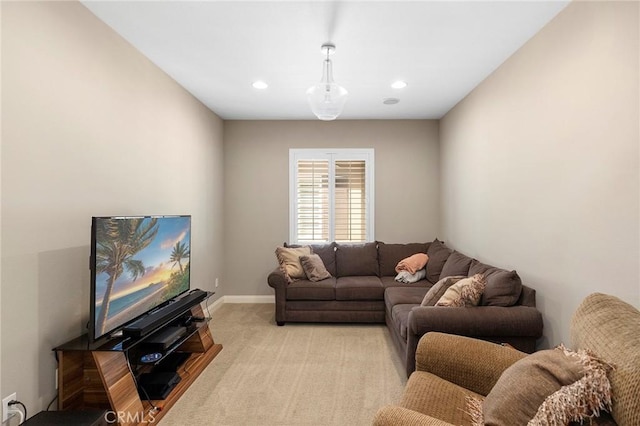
(105,375)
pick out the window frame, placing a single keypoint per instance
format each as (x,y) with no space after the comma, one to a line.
(332,155)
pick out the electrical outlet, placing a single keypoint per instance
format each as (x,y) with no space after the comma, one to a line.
(217,283)
(5,406)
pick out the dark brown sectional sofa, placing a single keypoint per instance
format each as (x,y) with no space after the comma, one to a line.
(362,289)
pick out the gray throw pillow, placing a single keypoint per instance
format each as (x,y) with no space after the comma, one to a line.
(314,268)
(503,287)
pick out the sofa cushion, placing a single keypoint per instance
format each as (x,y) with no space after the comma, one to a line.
(308,290)
(327,253)
(398,295)
(289,259)
(438,254)
(503,287)
(390,254)
(400,317)
(359,288)
(356,260)
(314,268)
(478,267)
(456,264)
(437,291)
(465,293)
(391,282)
(562,386)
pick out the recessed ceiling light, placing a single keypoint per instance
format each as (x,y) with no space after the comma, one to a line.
(390,101)
(260,84)
(399,84)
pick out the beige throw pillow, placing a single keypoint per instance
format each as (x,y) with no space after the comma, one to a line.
(437,291)
(289,259)
(550,387)
(464,293)
(314,268)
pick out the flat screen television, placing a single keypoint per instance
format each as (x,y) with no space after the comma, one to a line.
(137,265)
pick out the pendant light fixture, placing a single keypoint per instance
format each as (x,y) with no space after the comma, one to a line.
(327,98)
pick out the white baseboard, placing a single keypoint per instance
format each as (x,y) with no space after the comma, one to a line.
(249,299)
(240,299)
(216,305)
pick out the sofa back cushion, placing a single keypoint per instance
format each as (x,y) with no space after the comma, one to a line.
(390,254)
(356,259)
(456,264)
(503,287)
(527,297)
(438,254)
(327,253)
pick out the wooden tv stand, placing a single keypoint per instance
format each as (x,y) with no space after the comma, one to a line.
(105,376)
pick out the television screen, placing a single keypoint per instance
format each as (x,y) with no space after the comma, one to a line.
(137,264)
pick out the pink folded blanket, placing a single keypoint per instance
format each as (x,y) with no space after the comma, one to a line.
(413,263)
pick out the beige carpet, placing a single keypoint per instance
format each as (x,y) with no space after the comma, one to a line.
(299,374)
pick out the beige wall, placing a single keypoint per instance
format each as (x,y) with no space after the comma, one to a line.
(540,171)
(90,127)
(256,159)
(0,196)
(540,163)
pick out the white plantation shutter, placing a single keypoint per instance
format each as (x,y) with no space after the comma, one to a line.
(312,196)
(331,195)
(350,201)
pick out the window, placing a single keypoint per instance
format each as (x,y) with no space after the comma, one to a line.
(331,195)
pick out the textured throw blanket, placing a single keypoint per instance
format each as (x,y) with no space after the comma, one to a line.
(413,263)
(407,278)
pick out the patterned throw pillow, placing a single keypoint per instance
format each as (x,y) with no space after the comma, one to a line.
(289,259)
(437,291)
(314,268)
(466,292)
(562,386)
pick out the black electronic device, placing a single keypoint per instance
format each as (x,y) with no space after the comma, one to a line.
(138,264)
(172,362)
(163,339)
(71,418)
(157,385)
(162,315)
(191,319)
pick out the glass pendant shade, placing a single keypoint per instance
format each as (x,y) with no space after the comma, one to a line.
(327,98)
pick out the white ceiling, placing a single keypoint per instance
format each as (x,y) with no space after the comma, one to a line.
(216,49)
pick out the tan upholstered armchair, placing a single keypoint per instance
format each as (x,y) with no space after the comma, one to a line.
(451,368)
